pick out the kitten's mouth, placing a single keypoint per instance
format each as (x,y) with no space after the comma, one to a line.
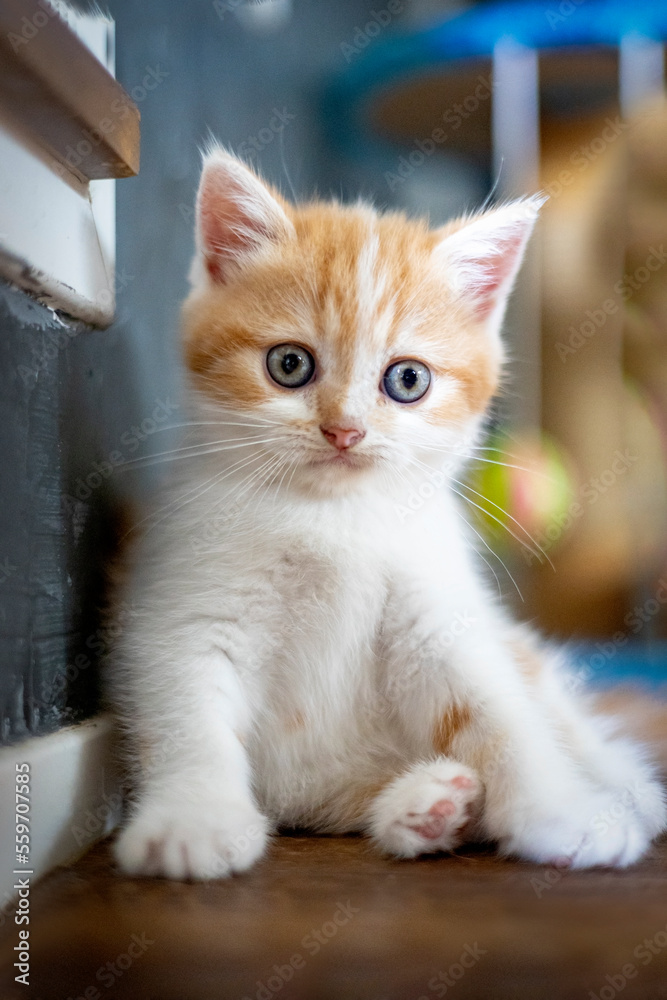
(341,460)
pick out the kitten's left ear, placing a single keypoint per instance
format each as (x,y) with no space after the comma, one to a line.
(237,216)
(482,257)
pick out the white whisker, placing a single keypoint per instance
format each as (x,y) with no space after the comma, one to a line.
(507,514)
(493,553)
(195,451)
(198,491)
(489,461)
(498,521)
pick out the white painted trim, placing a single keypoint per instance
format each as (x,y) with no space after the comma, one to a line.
(57,235)
(75,799)
(49,243)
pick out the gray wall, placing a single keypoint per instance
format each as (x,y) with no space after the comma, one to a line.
(65,393)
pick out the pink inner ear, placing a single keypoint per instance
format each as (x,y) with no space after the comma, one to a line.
(488,273)
(227,231)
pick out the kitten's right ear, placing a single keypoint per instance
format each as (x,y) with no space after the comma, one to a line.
(237,216)
(483,255)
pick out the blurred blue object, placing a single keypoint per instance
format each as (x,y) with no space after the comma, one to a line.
(474,35)
(601,665)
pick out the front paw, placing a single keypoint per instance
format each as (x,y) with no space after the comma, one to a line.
(181,840)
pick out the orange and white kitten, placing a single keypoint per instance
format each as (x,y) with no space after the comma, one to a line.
(300,646)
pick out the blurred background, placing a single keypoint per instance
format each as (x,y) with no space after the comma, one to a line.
(434,107)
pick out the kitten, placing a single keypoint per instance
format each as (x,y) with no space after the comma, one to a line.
(300,646)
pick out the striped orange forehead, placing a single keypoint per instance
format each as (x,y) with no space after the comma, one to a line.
(359,290)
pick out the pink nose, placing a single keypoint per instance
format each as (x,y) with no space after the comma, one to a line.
(343,438)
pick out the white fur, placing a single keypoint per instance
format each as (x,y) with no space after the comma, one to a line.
(293,635)
(364,628)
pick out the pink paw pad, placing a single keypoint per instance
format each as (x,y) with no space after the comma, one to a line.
(429,809)
(460,781)
(435,826)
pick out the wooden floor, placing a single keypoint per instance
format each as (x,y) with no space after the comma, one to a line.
(326,918)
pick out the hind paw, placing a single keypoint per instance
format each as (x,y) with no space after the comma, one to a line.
(429,809)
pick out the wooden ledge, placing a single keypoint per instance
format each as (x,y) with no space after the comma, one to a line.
(51,84)
(328,918)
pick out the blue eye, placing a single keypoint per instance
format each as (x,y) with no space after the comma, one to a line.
(290,365)
(406,381)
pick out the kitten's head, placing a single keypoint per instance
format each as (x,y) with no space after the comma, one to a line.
(352,342)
